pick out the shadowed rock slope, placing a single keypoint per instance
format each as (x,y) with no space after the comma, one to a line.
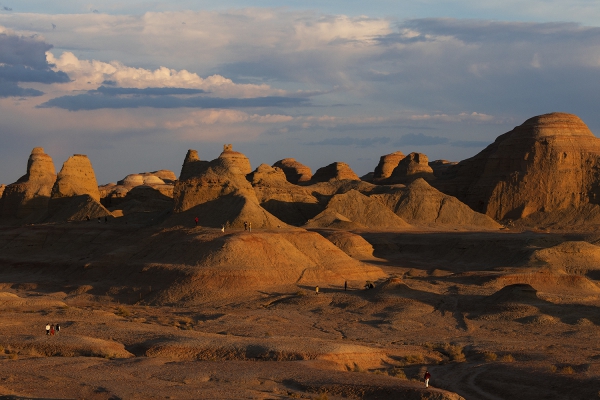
(361,210)
(421,204)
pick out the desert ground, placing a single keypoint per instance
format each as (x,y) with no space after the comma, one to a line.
(445,302)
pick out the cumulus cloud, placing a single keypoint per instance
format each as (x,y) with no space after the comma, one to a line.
(89,74)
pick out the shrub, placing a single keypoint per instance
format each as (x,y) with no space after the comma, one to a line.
(455,353)
(568,370)
(399,373)
(322,396)
(489,356)
(508,358)
(553,368)
(414,358)
(122,311)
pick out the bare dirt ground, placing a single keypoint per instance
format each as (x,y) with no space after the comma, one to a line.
(471,307)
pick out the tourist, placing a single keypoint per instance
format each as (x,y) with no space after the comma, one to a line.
(52,330)
(345,285)
(249,226)
(316,290)
(48,328)
(196,221)
(57,328)
(222,228)
(426,378)
(245,225)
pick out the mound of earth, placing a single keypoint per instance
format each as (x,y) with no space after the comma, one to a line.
(294,171)
(551,282)
(11,300)
(75,208)
(334,171)
(217,347)
(64,345)
(386,166)
(361,210)
(30,193)
(547,164)
(422,204)
(350,243)
(239,262)
(579,258)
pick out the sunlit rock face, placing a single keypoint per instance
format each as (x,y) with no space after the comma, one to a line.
(76,178)
(410,168)
(386,166)
(31,193)
(295,172)
(549,163)
(334,171)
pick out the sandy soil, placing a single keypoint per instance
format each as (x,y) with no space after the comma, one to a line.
(444,303)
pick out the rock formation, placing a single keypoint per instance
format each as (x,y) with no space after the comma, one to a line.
(220,194)
(386,166)
(359,209)
(31,193)
(76,178)
(75,194)
(192,165)
(440,167)
(234,159)
(2,187)
(290,203)
(547,164)
(295,172)
(421,204)
(411,167)
(334,171)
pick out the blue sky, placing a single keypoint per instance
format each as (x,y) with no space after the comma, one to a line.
(135,85)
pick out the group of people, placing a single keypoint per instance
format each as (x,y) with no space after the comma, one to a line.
(248,226)
(52,329)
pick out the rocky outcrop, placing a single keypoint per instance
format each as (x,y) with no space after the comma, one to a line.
(295,172)
(547,164)
(2,187)
(421,204)
(334,171)
(31,193)
(410,168)
(76,178)
(386,166)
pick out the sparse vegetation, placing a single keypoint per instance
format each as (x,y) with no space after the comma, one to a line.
(414,359)
(322,396)
(123,311)
(489,356)
(357,368)
(398,373)
(567,370)
(507,358)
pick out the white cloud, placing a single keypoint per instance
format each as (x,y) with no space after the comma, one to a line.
(89,74)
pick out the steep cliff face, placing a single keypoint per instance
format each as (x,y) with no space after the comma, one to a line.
(31,193)
(549,163)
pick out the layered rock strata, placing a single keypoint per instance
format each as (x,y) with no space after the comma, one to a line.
(547,164)
(411,167)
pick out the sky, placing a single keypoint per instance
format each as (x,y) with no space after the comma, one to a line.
(135,85)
